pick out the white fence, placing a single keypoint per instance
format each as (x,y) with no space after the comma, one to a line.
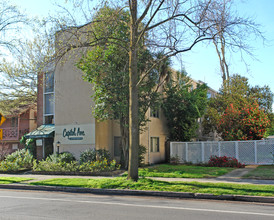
(248,152)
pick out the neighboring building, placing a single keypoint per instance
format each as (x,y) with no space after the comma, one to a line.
(212,136)
(18,123)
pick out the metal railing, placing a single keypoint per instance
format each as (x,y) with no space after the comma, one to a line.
(248,152)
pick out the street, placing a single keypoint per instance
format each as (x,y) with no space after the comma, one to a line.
(16,204)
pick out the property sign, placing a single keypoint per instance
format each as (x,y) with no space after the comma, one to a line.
(75,134)
(2,119)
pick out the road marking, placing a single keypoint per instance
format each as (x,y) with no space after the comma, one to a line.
(141,206)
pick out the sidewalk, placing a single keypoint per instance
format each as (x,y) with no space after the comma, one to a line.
(232,177)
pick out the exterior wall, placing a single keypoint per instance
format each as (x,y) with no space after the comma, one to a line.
(105,133)
(155,128)
(32,119)
(40,100)
(74,124)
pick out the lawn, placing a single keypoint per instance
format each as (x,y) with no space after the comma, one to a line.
(261,172)
(154,185)
(183,171)
(9,180)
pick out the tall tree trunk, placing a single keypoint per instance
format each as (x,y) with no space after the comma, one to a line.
(124,134)
(133,96)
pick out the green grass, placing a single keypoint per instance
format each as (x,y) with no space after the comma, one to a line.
(154,185)
(183,171)
(261,172)
(9,180)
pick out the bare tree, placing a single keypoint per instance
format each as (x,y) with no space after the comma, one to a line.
(10,20)
(19,82)
(231,32)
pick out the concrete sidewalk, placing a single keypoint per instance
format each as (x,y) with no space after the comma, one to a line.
(232,177)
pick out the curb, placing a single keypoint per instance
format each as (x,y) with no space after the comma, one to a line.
(180,195)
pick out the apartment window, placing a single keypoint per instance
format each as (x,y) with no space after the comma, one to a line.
(154,144)
(49,82)
(154,113)
(49,98)
(117,146)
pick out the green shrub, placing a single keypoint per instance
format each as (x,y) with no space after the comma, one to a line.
(99,166)
(141,154)
(23,158)
(65,162)
(29,144)
(102,154)
(9,166)
(90,155)
(53,166)
(66,157)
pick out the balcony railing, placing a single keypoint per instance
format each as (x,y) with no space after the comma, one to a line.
(11,134)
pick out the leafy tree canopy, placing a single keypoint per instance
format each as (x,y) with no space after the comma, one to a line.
(238,93)
(182,107)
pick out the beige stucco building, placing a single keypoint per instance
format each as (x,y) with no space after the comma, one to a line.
(67,124)
(65,111)
(77,130)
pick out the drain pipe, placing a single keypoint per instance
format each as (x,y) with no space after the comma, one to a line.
(148,140)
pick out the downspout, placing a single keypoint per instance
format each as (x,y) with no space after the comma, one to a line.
(148,141)
(18,127)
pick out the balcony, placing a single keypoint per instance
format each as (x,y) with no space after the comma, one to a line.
(11,134)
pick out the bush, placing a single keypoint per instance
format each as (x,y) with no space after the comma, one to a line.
(141,154)
(65,157)
(224,161)
(21,159)
(29,144)
(90,155)
(54,166)
(98,166)
(65,162)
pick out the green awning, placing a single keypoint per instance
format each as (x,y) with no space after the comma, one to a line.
(44,131)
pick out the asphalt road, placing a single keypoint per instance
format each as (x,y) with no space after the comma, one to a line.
(16,204)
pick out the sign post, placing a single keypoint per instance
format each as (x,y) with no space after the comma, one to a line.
(1,134)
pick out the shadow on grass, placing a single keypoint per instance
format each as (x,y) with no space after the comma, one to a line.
(156,185)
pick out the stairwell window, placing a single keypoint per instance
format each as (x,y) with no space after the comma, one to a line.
(154,144)
(154,113)
(49,98)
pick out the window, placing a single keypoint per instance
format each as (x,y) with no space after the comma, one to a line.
(154,113)
(49,98)
(117,146)
(154,144)
(48,119)
(49,82)
(208,95)
(49,104)
(14,122)
(14,146)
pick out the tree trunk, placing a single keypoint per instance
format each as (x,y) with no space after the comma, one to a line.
(124,134)
(133,97)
